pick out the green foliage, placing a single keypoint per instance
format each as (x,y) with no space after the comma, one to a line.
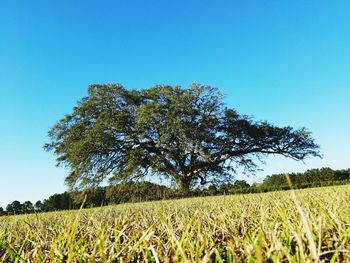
(91,197)
(38,206)
(137,192)
(268,227)
(187,135)
(145,191)
(14,208)
(57,202)
(313,176)
(27,207)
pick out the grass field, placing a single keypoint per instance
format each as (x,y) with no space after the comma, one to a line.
(302,226)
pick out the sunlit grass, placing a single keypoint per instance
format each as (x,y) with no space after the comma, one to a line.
(312,225)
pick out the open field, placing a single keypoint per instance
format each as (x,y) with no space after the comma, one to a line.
(301,226)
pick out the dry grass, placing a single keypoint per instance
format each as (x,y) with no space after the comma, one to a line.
(311,225)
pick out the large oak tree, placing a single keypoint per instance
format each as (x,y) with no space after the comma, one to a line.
(186,134)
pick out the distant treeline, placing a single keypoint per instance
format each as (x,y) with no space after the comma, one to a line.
(308,179)
(146,191)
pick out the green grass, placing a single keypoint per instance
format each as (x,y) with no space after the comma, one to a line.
(310,225)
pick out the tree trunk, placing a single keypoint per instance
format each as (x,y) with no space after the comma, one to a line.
(184,184)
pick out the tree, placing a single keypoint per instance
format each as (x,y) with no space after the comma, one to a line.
(136,192)
(27,207)
(91,197)
(212,190)
(14,208)
(2,212)
(38,206)
(187,135)
(57,202)
(241,184)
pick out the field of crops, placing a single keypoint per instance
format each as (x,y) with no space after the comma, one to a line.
(302,226)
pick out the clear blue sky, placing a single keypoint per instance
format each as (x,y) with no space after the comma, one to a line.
(287,62)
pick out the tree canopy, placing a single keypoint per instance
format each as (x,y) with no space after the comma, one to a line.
(185,134)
